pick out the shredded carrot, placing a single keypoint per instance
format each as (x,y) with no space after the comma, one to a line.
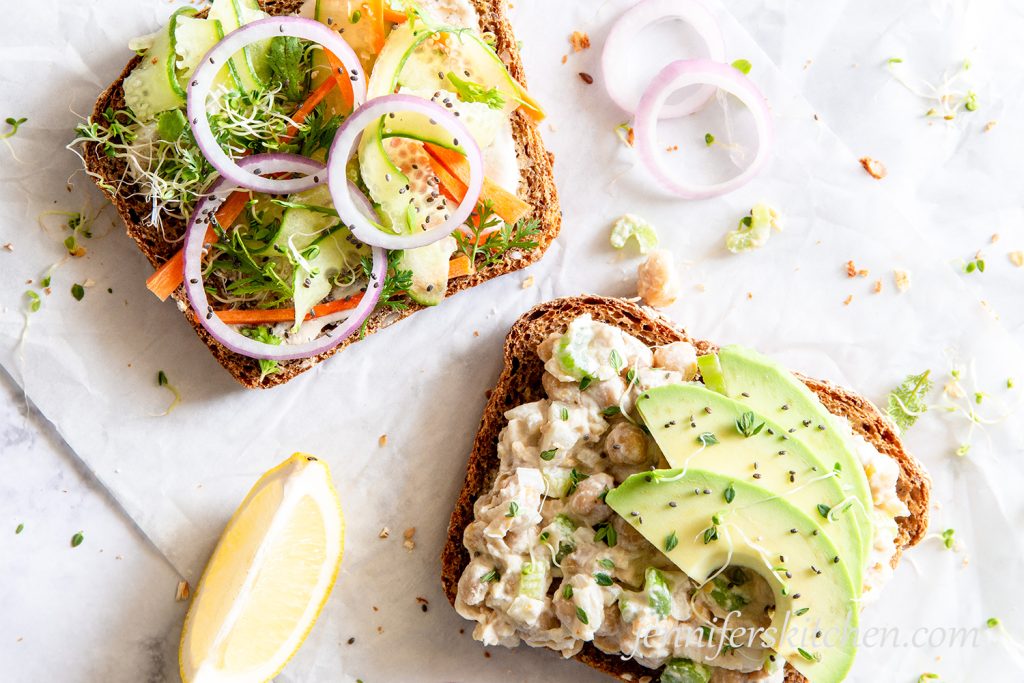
(341,78)
(171,273)
(457,267)
(531,107)
(394,16)
(375,10)
(510,207)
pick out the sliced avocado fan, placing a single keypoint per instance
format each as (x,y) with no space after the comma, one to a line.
(686,516)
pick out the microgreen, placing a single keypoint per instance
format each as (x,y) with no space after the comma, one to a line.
(78,291)
(603,579)
(729,494)
(491,238)
(707,439)
(606,532)
(746,426)
(742,65)
(490,576)
(263,335)
(34,302)
(581,614)
(548,454)
(15,124)
(709,139)
(18,529)
(575,477)
(77,539)
(468,91)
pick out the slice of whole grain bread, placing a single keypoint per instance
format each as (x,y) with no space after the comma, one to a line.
(537,187)
(520,382)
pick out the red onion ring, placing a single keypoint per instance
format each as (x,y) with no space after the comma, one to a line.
(622,40)
(346,142)
(202,83)
(688,72)
(195,243)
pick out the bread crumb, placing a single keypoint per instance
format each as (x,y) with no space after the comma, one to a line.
(9,247)
(375,608)
(528,282)
(586,78)
(476,333)
(181,595)
(408,535)
(422,600)
(878,286)
(380,629)
(989,126)
(902,280)
(384,532)
(487,655)
(851,270)
(1017,258)
(847,300)
(579,40)
(994,238)
(383,440)
(750,295)
(876,169)
(565,58)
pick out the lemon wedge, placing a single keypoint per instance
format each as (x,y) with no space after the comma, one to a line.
(268,577)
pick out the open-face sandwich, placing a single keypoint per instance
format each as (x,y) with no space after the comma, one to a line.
(302,174)
(663,509)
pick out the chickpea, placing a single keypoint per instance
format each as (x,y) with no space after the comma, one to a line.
(678,356)
(585,504)
(657,282)
(626,445)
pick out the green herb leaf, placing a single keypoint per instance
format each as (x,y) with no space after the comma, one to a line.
(823,510)
(161,379)
(606,532)
(611,411)
(906,402)
(606,563)
(490,576)
(286,57)
(14,124)
(742,65)
(616,361)
(575,477)
(581,614)
(356,16)
(992,622)
(34,302)
(567,592)
(548,454)
(710,534)
(585,382)
(603,579)
(671,542)
(468,91)
(729,494)
(808,656)
(709,139)
(746,426)
(894,60)
(707,439)
(491,238)
(802,611)
(77,539)
(18,529)
(513,509)
(77,291)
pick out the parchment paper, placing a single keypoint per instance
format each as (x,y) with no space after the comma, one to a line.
(91,365)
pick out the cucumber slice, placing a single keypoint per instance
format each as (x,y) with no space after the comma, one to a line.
(152,87)
(324,247)
(193,39)
(360,35)
(410,60)
(429,266)
(232,14)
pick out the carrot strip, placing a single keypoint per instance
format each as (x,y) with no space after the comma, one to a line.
(510,207)
(341,78)
(171,273)
(457,267)
(394,16)
(375,8)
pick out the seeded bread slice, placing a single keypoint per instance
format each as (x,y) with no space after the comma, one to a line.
(537,187)
(520,382)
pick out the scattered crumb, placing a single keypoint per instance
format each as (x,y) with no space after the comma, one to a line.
(375,608)
(384,533)
(847,300)
(902,280)
(1017,258)
(700,287)
(876,169)
(953,389)
(750,295)
(183,592)
(586,78)
(383,440)
(408,535)
(9,247)
(672,148)
(351,640)
(579,41)
(565,58)
(528,282)
(462,631)
(853,271)
(989,126)
(994,238)
(807,64)
(487,655)
(878,286)
(423,603)
(380,629)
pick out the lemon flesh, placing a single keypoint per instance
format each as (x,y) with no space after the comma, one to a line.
(268,577)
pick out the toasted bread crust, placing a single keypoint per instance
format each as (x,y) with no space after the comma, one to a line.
(520,382)
(537,186)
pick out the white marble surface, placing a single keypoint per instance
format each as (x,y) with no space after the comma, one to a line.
(106,611)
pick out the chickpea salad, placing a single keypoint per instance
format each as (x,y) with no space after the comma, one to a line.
(552,565)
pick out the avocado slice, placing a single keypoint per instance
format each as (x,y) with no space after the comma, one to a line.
(429,267)
(776,393)
(681,416)
(685,515)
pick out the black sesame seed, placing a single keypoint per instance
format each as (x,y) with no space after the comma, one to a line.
(785,406)
(835,560)
(672,503)
(792,531)
(757,475)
